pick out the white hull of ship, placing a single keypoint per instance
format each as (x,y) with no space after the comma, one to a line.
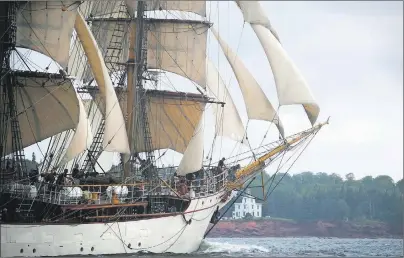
(157,235)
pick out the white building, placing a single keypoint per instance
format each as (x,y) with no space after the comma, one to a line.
(247,205)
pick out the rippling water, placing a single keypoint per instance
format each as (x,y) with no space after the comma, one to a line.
(292,247)
(301,247)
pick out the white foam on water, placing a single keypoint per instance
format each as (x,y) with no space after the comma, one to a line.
(209,246)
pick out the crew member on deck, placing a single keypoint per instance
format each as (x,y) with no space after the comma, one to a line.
(221,163)
(76,171)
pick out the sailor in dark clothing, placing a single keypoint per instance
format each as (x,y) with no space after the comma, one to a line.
(76,171)
(220,167)
(61,177)
(49,177)
(232,172)
(221,163)
(33,176)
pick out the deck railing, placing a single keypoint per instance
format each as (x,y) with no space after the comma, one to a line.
(205,184)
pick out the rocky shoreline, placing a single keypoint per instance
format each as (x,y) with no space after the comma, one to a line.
(289,228)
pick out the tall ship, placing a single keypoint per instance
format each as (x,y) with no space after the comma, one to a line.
(90,81)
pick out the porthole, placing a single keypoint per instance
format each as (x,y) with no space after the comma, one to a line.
(81,249)
(139,244)
(92,248)
(21,250)
(34,250)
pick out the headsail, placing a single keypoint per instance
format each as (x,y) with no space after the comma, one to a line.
(258,105)
(291,87)
(228,121)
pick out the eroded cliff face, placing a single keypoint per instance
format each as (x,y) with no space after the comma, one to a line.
(281,228)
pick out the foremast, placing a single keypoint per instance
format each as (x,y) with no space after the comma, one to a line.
(8,111)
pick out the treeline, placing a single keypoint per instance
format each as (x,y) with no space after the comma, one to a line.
(308,196)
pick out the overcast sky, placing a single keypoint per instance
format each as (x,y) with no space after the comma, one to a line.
(351,54)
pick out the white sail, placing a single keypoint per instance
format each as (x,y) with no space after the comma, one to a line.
(47,27)
(192,159)
(172,122)
(257,104)
(253,14)
(198,7)
(228,121)
(115,136)
(291,86)
(46,105)
(82,137)
(178,47)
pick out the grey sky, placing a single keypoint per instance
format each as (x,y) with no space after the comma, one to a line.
(351,54)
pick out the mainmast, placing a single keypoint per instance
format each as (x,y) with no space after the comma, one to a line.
(136,103)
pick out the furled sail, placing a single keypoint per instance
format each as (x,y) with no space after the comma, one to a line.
(228,121)
(47,27)
(192,159)
(198,7)
(82,137)
(46,105)
(257,104)
(115,136)
(178,47)
(290,84)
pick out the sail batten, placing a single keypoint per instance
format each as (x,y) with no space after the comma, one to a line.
(115,136)
(257,104)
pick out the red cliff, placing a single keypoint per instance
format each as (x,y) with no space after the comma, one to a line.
(288,228)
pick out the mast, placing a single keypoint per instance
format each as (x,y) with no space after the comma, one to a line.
(137,110)
(9,108)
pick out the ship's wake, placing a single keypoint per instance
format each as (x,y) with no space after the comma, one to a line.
(213,247)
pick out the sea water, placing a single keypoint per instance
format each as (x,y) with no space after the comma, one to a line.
(291,247)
